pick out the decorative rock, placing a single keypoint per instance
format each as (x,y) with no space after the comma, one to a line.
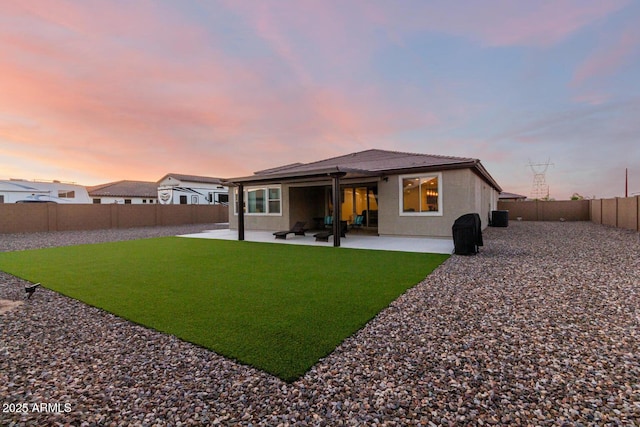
(541,327)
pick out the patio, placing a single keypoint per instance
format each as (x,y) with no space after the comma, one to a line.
(354,240)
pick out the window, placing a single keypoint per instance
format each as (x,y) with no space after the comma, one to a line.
(255,201)
(127,201)
(274,200)
(421,195)
(66,194)
(97,201)
(261,201)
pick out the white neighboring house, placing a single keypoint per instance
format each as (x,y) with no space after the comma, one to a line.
(177,189)
(23,191)
(125,192)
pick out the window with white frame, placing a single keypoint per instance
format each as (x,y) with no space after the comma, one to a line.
(256,201)
(421,195)
(273,197)
(261,201)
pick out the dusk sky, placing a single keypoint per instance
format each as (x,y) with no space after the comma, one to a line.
(100,91)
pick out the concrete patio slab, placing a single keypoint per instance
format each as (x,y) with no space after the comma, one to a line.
(352,241)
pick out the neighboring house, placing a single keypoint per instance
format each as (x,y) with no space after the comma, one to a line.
(125,192)
(400,194)
(180,189)
(23,191)
(511,197)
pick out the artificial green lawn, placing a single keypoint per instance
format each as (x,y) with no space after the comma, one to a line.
(277,307)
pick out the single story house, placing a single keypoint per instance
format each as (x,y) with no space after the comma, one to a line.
(179,189)
(124,192)
(392,193)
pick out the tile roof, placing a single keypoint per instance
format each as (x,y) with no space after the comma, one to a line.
(125,189)
(375,161)
(279,169)
(370,162)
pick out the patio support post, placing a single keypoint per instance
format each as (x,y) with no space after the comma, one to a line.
(240,212)
(336,210)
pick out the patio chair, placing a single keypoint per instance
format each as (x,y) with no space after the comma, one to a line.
(358,222)
(323,236)
(298,229)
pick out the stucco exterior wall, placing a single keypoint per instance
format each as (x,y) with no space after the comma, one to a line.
(485,200)
(462,192)
(306,203)
(299,203)
(271,222)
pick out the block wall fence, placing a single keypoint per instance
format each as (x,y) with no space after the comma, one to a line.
(534,210)
(38,217)
(621,212)
(35,217)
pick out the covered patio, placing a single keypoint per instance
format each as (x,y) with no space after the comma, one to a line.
(332,178)
(353,241)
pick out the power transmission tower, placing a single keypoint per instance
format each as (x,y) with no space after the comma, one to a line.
(540,188)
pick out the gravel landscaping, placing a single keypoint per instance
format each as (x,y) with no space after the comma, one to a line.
(542,327)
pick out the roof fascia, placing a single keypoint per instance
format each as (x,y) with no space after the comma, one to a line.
(474,165)
(484,174)
(433,168)
(319,174)
(298,176)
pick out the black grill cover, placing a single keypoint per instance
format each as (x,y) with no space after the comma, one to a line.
(467,234)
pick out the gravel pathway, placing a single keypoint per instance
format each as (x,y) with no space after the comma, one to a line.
(541,328)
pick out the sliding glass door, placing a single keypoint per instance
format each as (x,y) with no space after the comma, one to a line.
(363,201)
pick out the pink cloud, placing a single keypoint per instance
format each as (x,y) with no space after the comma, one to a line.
(592,98)
(88,78)
(323,49)
(610,56)
(142,89)
(495,23)
(539,23)
(112,106)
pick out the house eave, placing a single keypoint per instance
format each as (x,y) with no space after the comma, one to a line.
(348,173)
(312,175)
